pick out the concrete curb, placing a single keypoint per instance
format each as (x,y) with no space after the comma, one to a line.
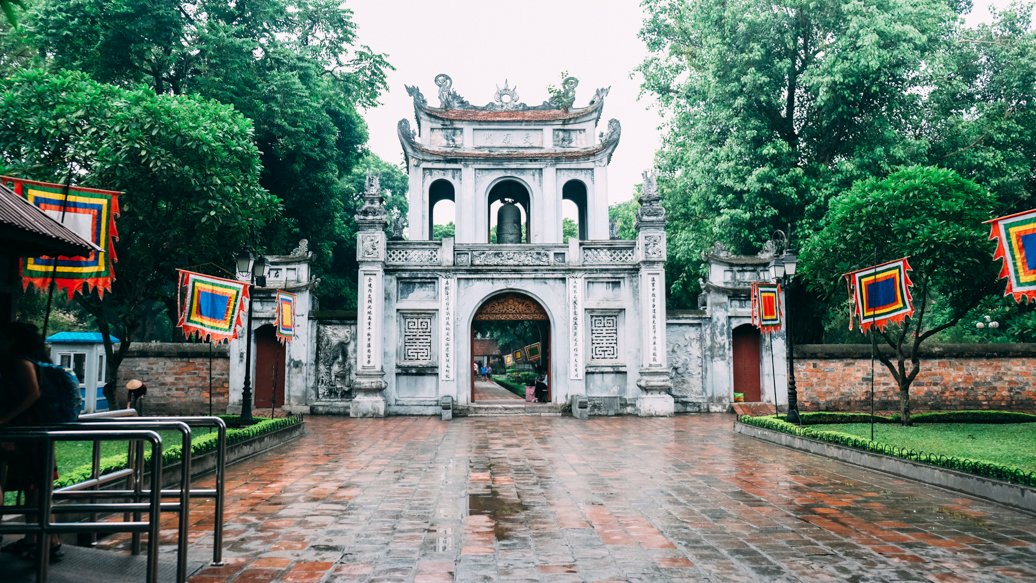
(993,490)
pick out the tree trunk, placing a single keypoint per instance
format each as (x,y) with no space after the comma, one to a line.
(904,402)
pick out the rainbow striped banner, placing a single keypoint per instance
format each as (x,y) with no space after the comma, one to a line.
(1016,245)
(766,306)
(285,316)
(88,212)
(211,306)
(880,294)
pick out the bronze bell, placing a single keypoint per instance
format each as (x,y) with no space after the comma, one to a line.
(509,223)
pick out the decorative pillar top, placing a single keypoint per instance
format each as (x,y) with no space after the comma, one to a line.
(371,216)
(651,213)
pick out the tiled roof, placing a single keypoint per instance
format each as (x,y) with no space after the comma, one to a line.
(27,231)
(78,338)
(508,115)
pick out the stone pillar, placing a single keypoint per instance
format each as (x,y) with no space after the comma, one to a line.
(369,382)
(654,381)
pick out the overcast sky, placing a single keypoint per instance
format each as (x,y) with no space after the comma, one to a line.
(483,43)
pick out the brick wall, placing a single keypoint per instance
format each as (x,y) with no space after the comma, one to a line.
(984,376)
(177,377)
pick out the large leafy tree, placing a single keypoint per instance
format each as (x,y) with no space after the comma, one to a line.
(935,217)
(339,283)
(293,67)
(188,166)
(772,107)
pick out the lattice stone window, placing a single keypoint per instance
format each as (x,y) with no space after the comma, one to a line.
(604,336)
(416,337)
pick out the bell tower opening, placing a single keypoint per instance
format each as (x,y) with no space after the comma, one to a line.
(441,217)
(573,195)
(509,201)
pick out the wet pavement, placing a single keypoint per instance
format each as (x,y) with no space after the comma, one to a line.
(490,391)
(609,499)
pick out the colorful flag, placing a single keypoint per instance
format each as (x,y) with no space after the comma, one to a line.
(766,306)
(508,361)
(519,356)
(211,306)
(880,294)
(532,351)
(88,212)
(285,316)
(1016,245)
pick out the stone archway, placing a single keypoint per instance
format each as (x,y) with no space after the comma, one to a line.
(527,341)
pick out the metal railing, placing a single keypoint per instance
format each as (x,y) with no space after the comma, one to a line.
(116,425)
(38,516)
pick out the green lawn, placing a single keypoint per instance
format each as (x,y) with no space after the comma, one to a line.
(71,455)
(1011,444)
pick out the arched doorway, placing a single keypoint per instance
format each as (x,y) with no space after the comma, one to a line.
(499,194)
(746,363)
(269,368)
(512,331)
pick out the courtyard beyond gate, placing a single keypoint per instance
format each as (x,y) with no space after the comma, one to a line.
(624,499)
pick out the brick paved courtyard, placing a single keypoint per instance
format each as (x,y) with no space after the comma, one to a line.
(610,499)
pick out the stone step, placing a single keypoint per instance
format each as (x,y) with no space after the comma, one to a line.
(509,410)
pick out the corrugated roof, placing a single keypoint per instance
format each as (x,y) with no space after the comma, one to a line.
(27,231)
(78,338)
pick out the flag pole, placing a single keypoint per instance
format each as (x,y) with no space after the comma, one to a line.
(54,259)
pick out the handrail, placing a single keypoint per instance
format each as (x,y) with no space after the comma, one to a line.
(217,493)
(43,527)
(182,507)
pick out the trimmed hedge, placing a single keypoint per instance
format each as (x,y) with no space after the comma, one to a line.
(992,470)
(516,388)
(171,454)
(830,417)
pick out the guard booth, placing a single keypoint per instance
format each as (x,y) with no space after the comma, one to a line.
(83,354)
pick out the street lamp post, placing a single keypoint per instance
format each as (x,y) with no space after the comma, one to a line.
(782,269)
(256,269)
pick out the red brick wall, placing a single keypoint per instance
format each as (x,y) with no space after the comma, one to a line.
(986,376)
(177,377)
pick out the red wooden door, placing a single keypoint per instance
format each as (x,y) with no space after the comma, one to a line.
(746,363)
(269,369)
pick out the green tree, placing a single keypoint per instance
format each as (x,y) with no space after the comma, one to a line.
(337,289)
(440,232)
(771,108)
(569,230)
(935,217)
(188,167)
(622,217)
(293,67)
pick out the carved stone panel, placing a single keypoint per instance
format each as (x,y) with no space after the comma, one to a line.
(607,255)
(448,293)
(415,290)
(336,356)
(604,336)
(413,256)
(508,138)
(575,326)
(654,247)
(447,137)
(684,348)
(511,307)
(509,258)
(416,335)
(570,139)
(370,247)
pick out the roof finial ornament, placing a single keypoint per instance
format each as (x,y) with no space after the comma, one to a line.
(448,98)
(650,208)
(507,97)
(564,98)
